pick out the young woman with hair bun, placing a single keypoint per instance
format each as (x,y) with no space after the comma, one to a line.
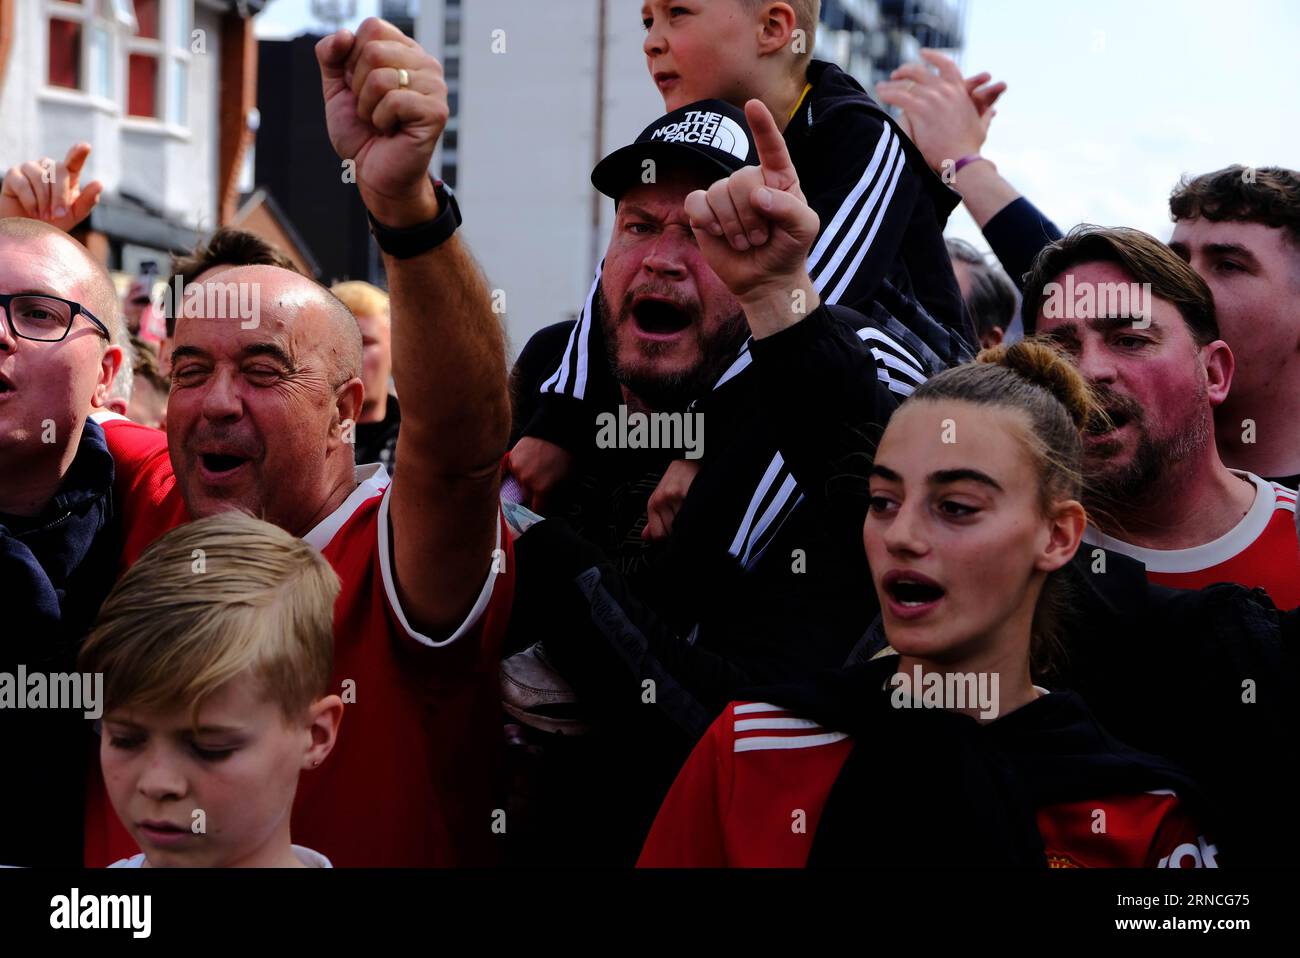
(946,751)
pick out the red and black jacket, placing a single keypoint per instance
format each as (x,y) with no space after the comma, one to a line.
(831,774)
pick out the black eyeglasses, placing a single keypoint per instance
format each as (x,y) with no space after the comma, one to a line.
(44,319)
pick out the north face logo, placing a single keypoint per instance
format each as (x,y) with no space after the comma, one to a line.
(708,129)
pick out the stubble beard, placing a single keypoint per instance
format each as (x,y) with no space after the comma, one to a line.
(1126,489)
(674,390)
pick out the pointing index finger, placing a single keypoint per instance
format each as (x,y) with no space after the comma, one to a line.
(773,156)
(76,158)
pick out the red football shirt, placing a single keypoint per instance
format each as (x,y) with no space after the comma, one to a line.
(752,794)
(1261,551)
(411,779)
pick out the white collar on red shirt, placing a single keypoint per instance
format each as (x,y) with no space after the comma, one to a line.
(102,416)
(309,857)
(1232,543)
(371,481)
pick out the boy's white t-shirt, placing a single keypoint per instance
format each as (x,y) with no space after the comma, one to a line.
(309,858)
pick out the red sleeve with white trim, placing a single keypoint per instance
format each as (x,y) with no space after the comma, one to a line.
(688,831)
(752,793)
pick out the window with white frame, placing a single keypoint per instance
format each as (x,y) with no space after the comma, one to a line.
(95,45)
(81,44)
(178,63)
(144,55)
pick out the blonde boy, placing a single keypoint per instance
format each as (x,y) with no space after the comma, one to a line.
(216,651)
(732,50)
(882,209)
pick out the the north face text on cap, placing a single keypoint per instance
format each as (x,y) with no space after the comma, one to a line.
(708,129)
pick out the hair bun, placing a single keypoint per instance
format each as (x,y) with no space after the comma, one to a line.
(1045,365)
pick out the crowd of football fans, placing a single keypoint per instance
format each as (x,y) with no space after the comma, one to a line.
(980,551)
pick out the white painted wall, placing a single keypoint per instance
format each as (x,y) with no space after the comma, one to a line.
(526,142)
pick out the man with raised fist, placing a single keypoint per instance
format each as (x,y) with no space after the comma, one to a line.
(260,419)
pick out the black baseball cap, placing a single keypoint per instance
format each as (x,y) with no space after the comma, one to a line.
(709,135)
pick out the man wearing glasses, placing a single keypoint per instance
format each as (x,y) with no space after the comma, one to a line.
(57,548)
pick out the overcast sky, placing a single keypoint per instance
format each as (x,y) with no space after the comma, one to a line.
(288,18)
(1110,101)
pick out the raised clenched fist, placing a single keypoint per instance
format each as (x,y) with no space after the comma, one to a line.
(386,107)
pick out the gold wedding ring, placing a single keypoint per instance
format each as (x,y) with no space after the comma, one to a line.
(403,79)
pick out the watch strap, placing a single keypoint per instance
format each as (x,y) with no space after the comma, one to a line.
(414,240)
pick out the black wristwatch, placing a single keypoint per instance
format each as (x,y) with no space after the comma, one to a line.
(414,240)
